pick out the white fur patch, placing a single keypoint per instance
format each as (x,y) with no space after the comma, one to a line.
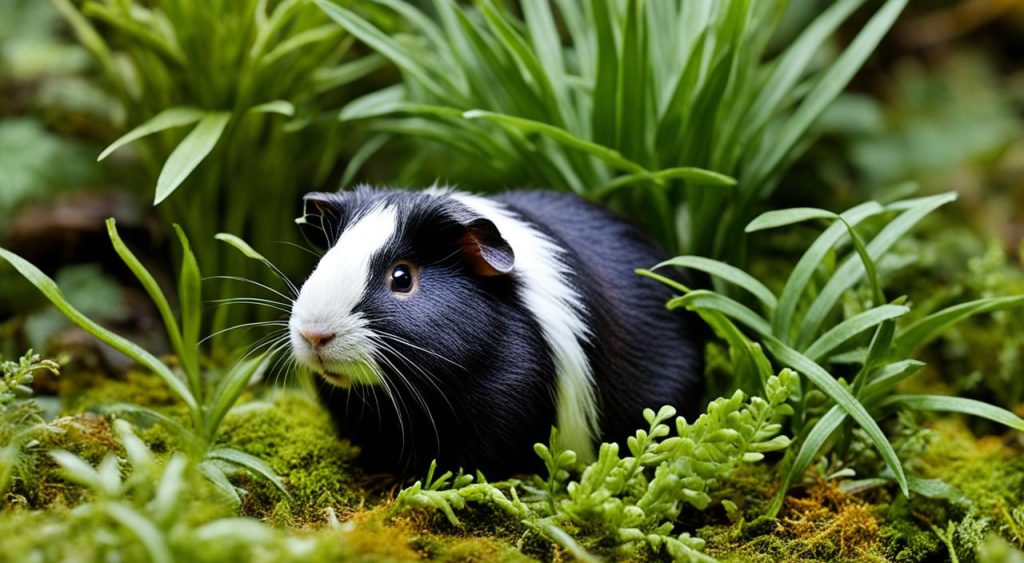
(326,301)
(559,311)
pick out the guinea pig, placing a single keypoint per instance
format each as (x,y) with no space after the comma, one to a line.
(462,328)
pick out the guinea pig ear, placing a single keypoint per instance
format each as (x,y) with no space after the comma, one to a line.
(484,250)
(321,218)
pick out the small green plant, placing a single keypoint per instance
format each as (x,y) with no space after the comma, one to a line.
(801,329)
(646,105)
(142,509)
(207,402)
(20,420)
(628,502)
(251,80)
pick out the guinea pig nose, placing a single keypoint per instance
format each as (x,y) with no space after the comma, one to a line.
(317,338)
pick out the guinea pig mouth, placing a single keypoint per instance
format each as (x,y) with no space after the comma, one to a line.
(346,374)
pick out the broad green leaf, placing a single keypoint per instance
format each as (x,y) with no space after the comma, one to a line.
(215,475)
(189,153)
(78,470)
(169,489)
(785,217)
(150,285)
(244,529)
(50,290)
(850,328)
(956,404)
(167,119)
(191,298)
(283,107)
(824,381)
(249,463)
(727,273)
(143,528)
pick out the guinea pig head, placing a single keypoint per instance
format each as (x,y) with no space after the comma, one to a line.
(403,290)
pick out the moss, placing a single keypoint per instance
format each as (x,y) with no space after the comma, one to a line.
(296,437)
(87,390)
(88,436)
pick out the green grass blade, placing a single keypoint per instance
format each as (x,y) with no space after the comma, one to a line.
(147,415)
(961,405)
(727,273)
(785,217)
(853,268)
(605,88)
(149,284)
(189,153)
(520,125)
(830,85)
(920,333)
(167,119)
(791,66)
(804,270)
(142,528)
(215,475)
(809,450)
(884,379)
(850,328)
(385,45)
(229,388)
(252,464)
(190,295)
(50,290)
(824,381)
(282,107)
(690,174)
(704,299)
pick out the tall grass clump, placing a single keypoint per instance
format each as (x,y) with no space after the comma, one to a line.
(207,394)
(652,106)
(804,328)
(223,102)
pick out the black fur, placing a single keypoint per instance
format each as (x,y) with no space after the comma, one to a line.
(474,354)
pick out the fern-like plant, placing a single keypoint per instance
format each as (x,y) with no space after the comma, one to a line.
(648,105)
(801,329)
(21,421)
(625,502)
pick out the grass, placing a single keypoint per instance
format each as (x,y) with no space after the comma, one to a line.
(207,403)
(223,103)
(675,113)
(796,330)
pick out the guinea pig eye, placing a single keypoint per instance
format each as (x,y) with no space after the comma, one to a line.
(402,278)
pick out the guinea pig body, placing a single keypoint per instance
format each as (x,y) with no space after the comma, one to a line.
(461,328)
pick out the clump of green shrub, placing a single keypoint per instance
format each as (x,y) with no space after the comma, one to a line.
(21,421)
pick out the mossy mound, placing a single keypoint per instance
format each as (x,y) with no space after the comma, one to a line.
(294,435)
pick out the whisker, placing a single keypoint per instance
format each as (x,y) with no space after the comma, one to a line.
(254,282)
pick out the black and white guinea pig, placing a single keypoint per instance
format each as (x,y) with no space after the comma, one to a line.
(459,327)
